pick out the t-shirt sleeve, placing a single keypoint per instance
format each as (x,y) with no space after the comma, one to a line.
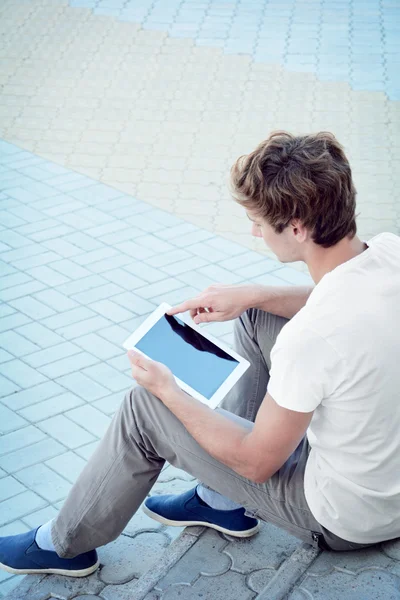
(305,370)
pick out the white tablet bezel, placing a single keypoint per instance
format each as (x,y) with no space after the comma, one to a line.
(229,382)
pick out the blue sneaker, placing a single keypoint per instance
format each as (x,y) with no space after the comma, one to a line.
(189,509)
(20,554)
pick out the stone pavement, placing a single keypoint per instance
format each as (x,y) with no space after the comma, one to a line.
(158,97)
(82,264)
(123,118)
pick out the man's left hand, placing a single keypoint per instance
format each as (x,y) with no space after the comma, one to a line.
(152,375)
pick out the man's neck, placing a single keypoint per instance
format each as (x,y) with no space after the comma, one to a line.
(323,260)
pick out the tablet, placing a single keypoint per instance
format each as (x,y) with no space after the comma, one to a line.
(202,366)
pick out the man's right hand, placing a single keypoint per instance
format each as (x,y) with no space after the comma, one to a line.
(218,303)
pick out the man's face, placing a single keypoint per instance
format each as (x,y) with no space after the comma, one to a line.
(283,245)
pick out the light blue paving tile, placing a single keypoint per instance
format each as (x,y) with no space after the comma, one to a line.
(51,407)
(82,285)
(154,243)
(134,250)
(32,228)
(57,301)
(45,482)
(156,289)
(62,178)
(39,517)
(68,465)
(96,193)
(14,279)
(207,252)
(17,345)
(197,280)
(17,507)
(53,232)
(44,357)
(40,335)
(177,231)
(90,419)
(35,394)
(35,261)
(111,310)
(115,334)
(265,265)
(98,346)
(70,269)
(8,150)
(69,317)
(8,219)
(66,432)
(134,303)
(83,386)
(47,275)
(7,387)
(10,487)
(111,226)
(21,374)
(176,296)
(89,325)
(13,528)
(13,320)
(123,279)
(68,365)
(31,307)
(292,276)
(6,269)
(190,264)
(19,439)
(269,279)
(108,377)
(111,403)
(14,240)
(146,272)
(99,293)
(217,273)
(62,247)
(22,194)
(122,235)
(5,356)
(96,255)
(145,222)
(164,218)
(27,214)
(38,452)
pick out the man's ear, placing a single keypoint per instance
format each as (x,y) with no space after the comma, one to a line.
(299,231)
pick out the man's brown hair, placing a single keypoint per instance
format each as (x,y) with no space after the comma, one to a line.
(306,177)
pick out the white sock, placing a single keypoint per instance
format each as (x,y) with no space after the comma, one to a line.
(216,500)
(43,537)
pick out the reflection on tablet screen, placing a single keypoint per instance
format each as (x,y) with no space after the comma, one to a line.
(190,356)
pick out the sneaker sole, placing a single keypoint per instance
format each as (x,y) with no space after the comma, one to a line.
(240,534)
(66,572)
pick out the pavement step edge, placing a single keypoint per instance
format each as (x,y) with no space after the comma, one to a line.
(289,573)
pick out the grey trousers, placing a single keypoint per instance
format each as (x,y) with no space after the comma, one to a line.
(144,434)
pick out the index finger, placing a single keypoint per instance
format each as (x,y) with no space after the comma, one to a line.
(191,304)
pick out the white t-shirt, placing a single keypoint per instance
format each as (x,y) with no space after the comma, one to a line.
(340,357)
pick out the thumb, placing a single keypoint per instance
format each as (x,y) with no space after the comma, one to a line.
(137,359)
(205,317)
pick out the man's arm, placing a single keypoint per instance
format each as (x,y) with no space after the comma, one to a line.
(257,454)
(284,301)
(225,302)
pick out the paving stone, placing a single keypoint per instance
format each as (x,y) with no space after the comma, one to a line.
(65,431)
(69,465)
(33,395)
(64,588)
(21,374)
(19,439)
(91,419)
(9,421)
(50,355)
(40,335)
(38,452)
(10,487)
(83,386)
(44,482)
(127,558)
(18,506)
(215,587)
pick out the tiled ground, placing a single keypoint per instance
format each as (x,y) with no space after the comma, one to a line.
(126,117)
(159,98)
(81,265)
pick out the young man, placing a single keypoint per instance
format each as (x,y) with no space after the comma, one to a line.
(309,437)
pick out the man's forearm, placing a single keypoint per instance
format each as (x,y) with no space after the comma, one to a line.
(219,436)
(285,301)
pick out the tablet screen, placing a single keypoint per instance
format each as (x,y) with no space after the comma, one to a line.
(190,356)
